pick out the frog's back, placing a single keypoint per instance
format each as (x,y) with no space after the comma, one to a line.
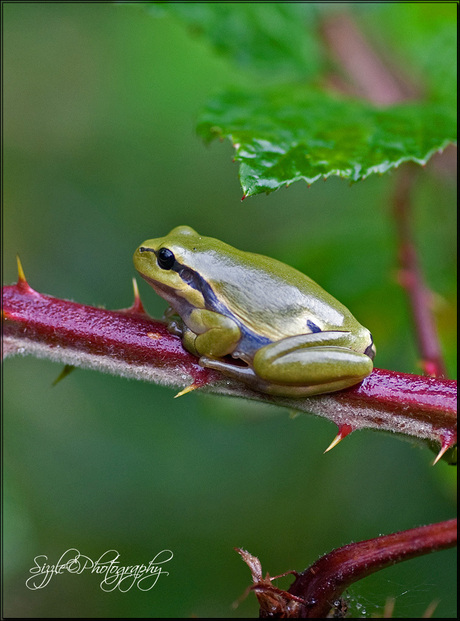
(273,299)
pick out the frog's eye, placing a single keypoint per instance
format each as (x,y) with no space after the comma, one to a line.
(165,258)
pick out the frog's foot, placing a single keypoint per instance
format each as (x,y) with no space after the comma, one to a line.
(239,372)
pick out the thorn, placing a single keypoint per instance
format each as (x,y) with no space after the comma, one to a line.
(389,608)
(22,283)
(243,197)
(137,306)
(338,438)
(21,275)
(186,390)
(68,368)
(344,430)
(430,610)
(447,442)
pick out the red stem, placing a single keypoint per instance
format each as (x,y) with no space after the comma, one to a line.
(371,78)
(322,583)
(130,343)
(411,279)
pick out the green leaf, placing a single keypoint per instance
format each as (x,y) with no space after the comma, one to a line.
(277,39)
(292,133)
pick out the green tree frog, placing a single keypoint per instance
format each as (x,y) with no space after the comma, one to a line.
(287,335)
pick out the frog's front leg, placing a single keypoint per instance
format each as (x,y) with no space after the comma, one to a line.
(175,324)
(210,334)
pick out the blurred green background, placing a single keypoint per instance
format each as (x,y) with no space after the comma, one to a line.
(100,105)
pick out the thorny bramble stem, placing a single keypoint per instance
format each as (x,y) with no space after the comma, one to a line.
(322,583)
(129,343)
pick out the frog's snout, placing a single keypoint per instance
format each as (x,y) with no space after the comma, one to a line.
(145,249)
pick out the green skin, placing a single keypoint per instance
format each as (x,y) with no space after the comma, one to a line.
(292,336)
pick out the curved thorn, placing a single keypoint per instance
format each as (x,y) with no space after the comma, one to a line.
(446,443)
(428,614)
(338,438)
(186,390)
(136,290)
(137,306)
(22,283)
(21,275)
(344,430)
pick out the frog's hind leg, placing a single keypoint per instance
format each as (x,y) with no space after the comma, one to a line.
(315,366)
(313,363)
(302,365)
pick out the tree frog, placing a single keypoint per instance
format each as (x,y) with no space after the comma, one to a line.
(287,335)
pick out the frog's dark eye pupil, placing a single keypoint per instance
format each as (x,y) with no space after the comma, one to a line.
(165,258)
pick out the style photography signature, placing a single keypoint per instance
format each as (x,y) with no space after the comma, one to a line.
(114,575)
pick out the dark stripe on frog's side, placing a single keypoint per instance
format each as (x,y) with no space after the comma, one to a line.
(250,341)
(312,326)
(370,351)
(194,280)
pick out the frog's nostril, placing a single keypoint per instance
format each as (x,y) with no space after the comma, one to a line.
(144,249)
